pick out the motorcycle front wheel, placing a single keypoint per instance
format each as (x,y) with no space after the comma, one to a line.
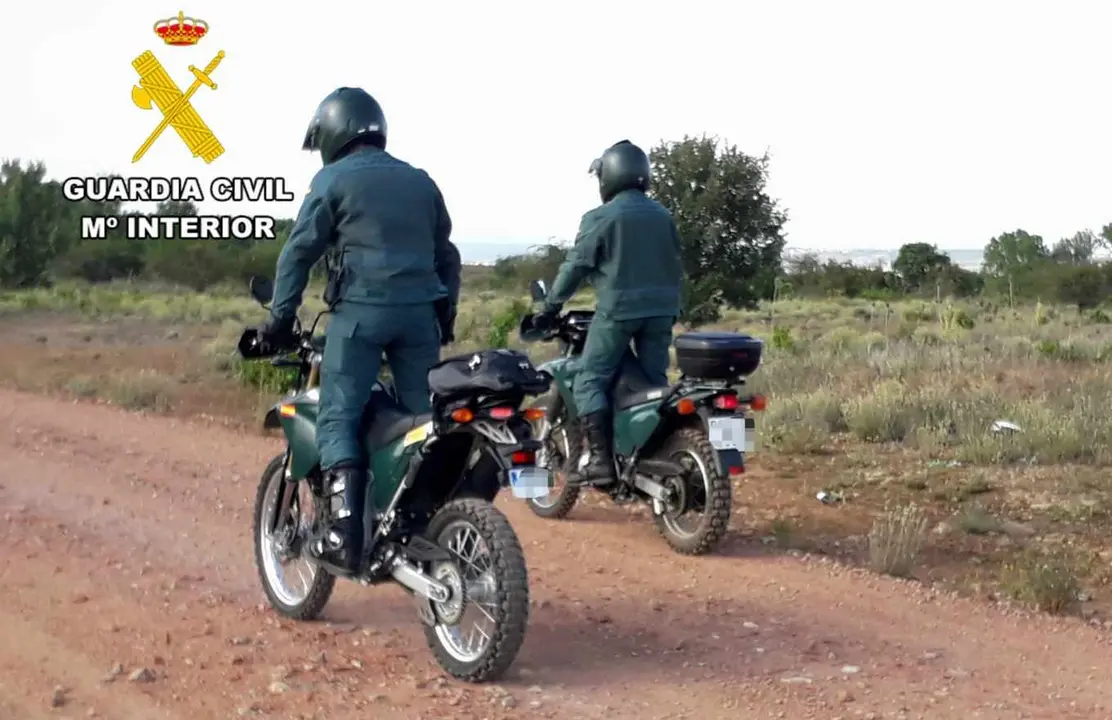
(295,585)
(559,455)
(478,633)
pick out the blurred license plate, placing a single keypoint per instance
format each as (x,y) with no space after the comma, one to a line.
(529,482)
(727,433)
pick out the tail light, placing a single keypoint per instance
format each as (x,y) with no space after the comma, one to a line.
(728,401)
(502,413)
(523,457)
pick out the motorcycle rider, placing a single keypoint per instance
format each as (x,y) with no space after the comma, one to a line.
(629,249)
(398,290)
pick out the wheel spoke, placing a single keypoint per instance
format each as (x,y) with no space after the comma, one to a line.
(469,639)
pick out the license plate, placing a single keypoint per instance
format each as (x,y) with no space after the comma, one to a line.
(529,482)
(727,433)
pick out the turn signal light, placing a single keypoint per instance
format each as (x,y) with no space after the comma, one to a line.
(685,406)
(287,410)
(758,402)
(463,415)
(533,414)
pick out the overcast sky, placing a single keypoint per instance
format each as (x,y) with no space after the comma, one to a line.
(887,122)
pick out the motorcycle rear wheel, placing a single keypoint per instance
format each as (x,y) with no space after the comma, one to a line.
(705,491)
(491,566)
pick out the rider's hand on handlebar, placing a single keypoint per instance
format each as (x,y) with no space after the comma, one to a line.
(546,319)
(277,335)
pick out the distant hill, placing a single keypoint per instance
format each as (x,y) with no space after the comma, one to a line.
(486,253)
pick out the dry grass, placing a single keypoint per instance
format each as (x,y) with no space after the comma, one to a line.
(896,539)
(934,378)
(1049,582)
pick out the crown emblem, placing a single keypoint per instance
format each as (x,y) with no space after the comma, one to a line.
(181,30)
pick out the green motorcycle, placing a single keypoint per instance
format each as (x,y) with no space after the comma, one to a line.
(436,531)
(675,447)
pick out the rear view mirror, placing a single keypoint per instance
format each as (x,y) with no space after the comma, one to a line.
(538,290)
(262,289)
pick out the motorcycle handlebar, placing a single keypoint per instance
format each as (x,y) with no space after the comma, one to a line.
(251,346)
(529,332)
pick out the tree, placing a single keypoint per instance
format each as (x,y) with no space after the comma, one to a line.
(176,208)
(1013,253)
(919,263)
(1076,250)
(731,231)
(36,224)
(1085,286)
(1011,263)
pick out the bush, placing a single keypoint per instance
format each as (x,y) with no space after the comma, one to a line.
(506,322)
(896,539)
(1048,582)
(102,261)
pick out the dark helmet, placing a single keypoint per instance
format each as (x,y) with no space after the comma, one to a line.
(623,166)
(345,115)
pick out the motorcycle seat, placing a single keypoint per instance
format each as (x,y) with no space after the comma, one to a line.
(633,388)
(625,398)
(385,421)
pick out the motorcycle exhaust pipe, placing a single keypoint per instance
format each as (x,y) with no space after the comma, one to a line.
(418,582)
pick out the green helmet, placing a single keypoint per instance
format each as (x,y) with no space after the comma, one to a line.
(345,115)
(623,166)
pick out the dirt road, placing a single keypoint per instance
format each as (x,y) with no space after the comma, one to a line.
(127,590)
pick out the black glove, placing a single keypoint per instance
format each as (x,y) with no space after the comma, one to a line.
(546,319)
(277,335)
(446,319)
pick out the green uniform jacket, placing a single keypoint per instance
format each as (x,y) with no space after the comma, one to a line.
(629,250)
(390,224)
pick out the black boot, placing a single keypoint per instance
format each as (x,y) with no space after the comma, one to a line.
(340,543)
(600,465)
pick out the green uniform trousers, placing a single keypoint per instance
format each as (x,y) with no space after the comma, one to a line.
(355,340)
(607,342)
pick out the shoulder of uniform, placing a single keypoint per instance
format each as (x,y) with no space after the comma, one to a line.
(596,220)
(321,184)
(596,213)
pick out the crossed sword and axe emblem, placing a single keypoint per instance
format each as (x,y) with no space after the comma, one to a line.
(157,88)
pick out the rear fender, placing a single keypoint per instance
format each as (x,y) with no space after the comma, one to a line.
(729,461)
(462,464)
